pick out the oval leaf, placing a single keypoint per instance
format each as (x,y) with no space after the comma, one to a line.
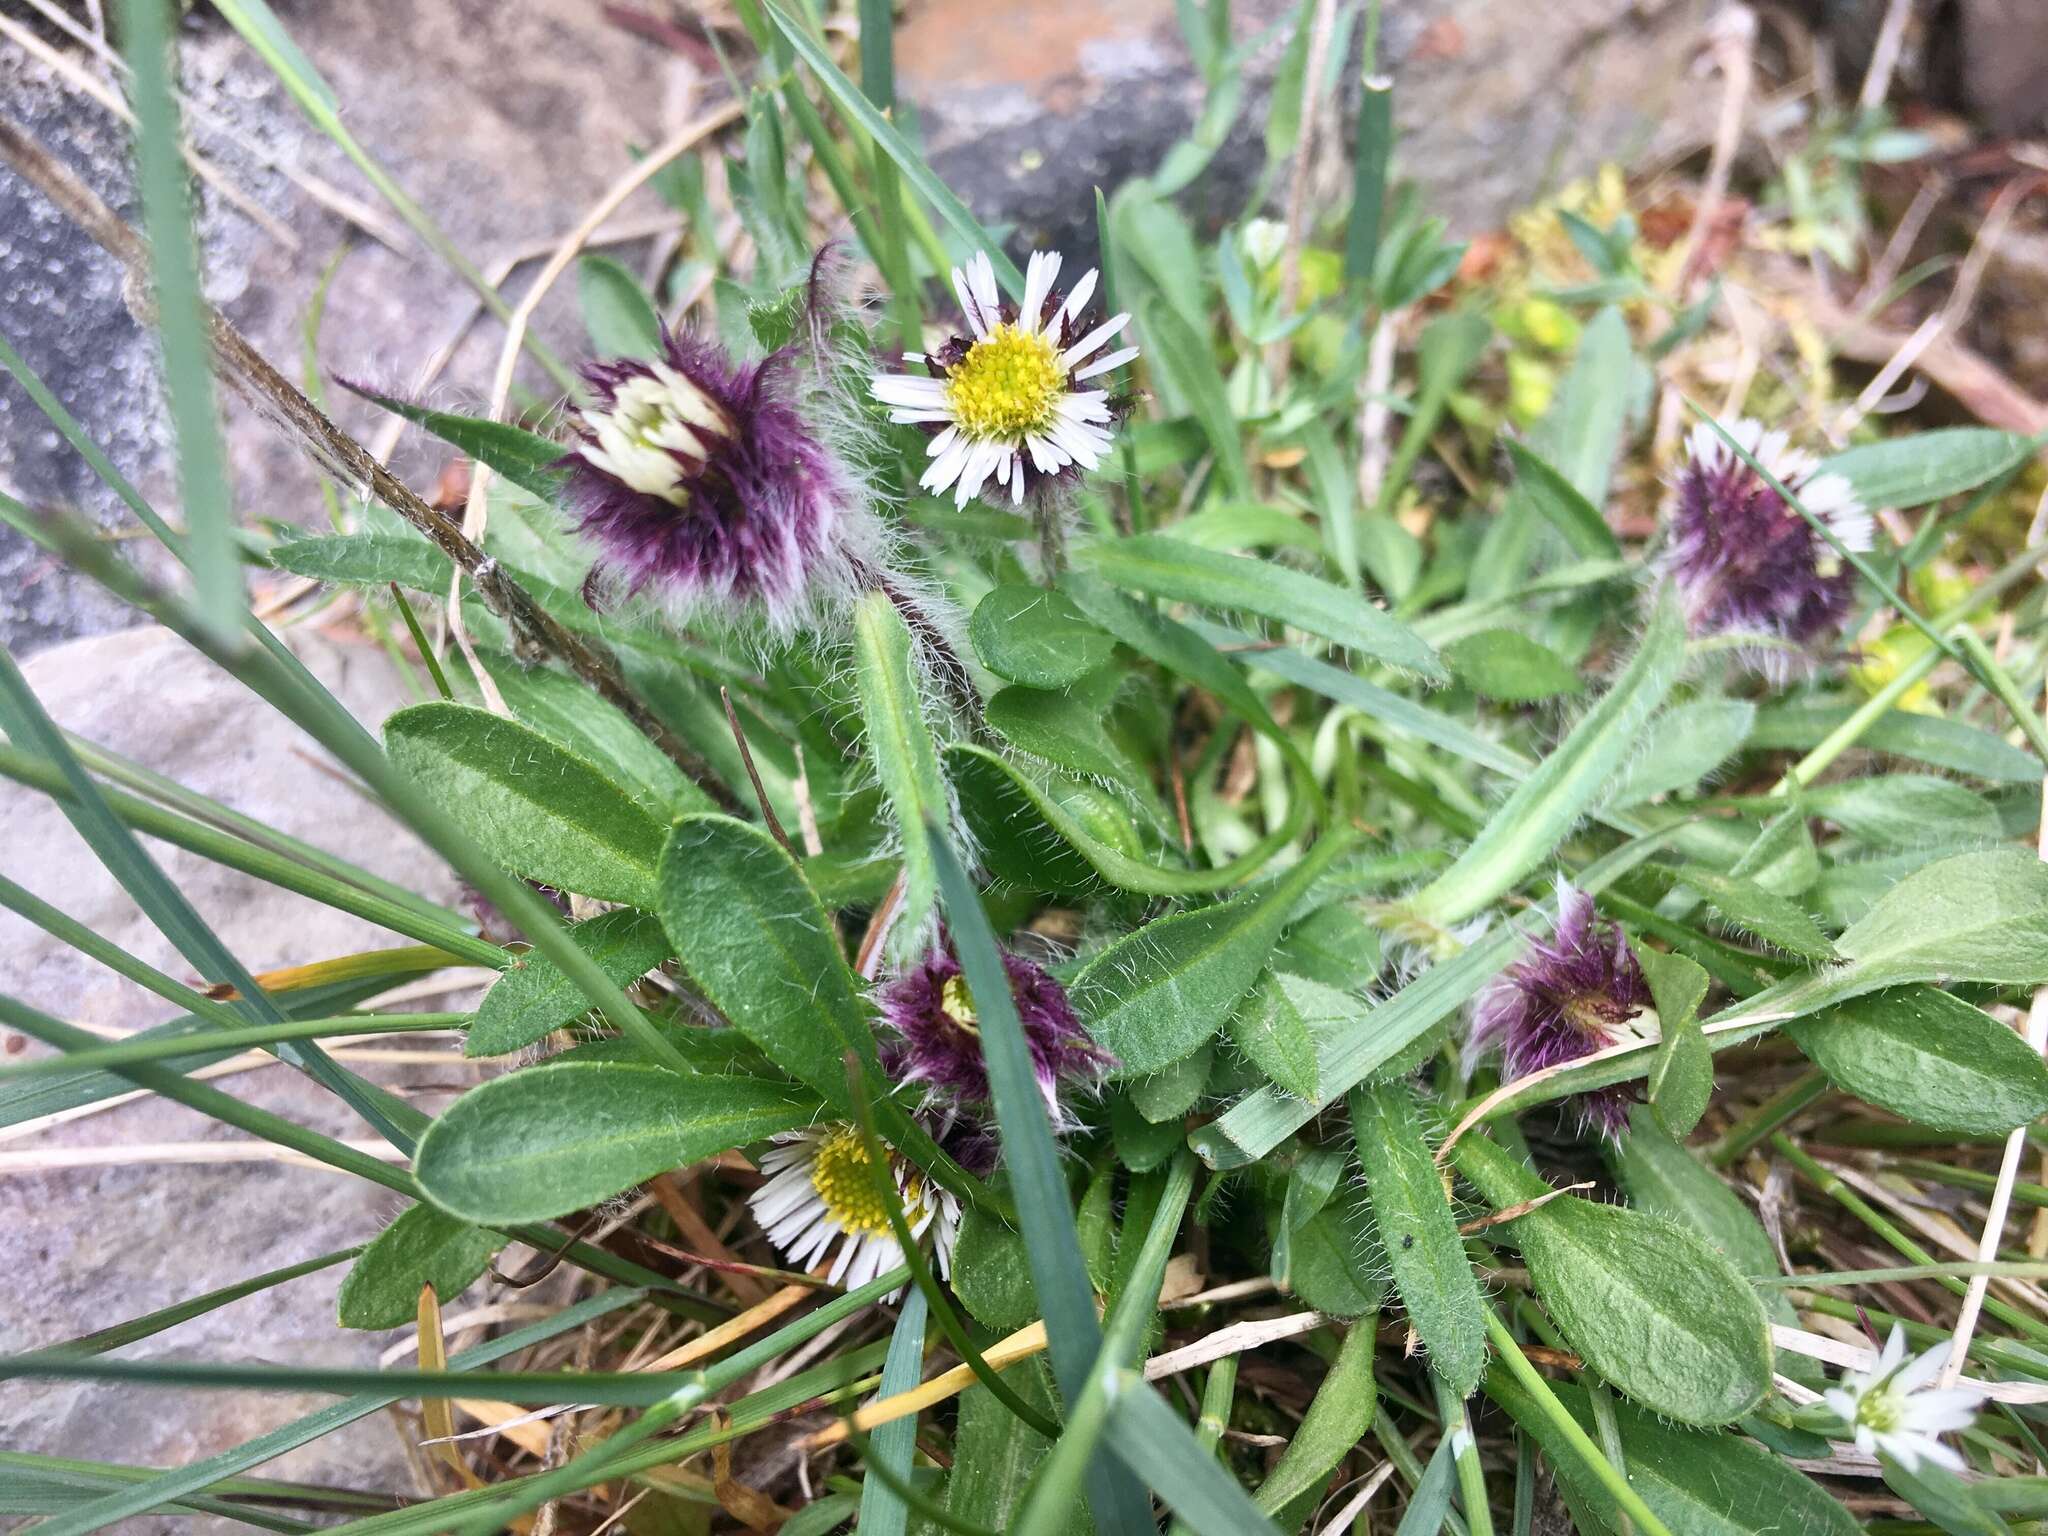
(1155,995)
(555,1138)
(534,998)
(1650,1305)
(1037,637)
(1930,1057)
(1419,1233)
(423,1247)
(1929,466)
(1171,568)
(753,936)
(540,811)
(1502,664)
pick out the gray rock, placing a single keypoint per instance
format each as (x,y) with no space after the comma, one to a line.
(85,1248)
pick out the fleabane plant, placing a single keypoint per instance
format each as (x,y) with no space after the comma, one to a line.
(1238,903)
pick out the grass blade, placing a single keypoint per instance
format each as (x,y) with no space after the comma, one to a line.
(882,1510)
(1044,1208)
(857,107)
(115,846)
(181,323)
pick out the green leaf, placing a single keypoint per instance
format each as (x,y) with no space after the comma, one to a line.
(1683,746)
(1526,829)
(367,560)
(894,1445)
(1168,1094)
(1150,1439)
(1331,1263)
(995,1455)
(616,310)
(1183,356)
(554,1138)
(1907,810)
(1777,920)
(753,936)
(565,710)
(991,1273)
(1419,1233)
(1045,1213)
(1336,945)
(1274,1032)
(1974,917)
(1065,726)
(1502,664)
(1682,1072)
(1930,1057)
(539,811)
(1036,636)
(1166,567)
(1699,1483)
(905,759)
(382,1287)
(1663,1177)
(534,998)
(1562,504)
(524,458)
(1018,846)
(1906,472)
(1336,1421)
(1650,1305)
(1939,742)
(1157,993)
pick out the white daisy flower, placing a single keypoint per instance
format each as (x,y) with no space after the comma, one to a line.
(821,1197)
(1891,1408)
(1006,403)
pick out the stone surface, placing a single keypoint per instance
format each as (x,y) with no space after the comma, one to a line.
(84,1248)
(507,121)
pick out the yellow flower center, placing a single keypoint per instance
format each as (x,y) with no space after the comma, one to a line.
(957,1003)
(1006,385)
(848,1189)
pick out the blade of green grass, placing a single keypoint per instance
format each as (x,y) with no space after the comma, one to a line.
(1044,1208)
(200,1475)
(882,1509)
(857,107)
(120,1335)
(115,846)
(233,852)
(128,1053)
(181,320)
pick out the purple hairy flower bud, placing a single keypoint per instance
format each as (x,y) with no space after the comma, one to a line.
(1746,562)
(1579,992)
(711,485)
(934,1032)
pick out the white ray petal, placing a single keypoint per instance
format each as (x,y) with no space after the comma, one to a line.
(1094,339)
(1114,359)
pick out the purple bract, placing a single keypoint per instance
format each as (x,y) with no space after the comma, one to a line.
(1579,992)
(1746,562)
(934,1033)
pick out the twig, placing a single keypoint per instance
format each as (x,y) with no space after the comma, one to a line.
(753,774)
(535,631)
(1884,57)
(1234,1340)
(1515,1212)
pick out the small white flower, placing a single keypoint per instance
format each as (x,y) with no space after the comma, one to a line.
(1891,1408)
(1004,402)
(821,1195)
